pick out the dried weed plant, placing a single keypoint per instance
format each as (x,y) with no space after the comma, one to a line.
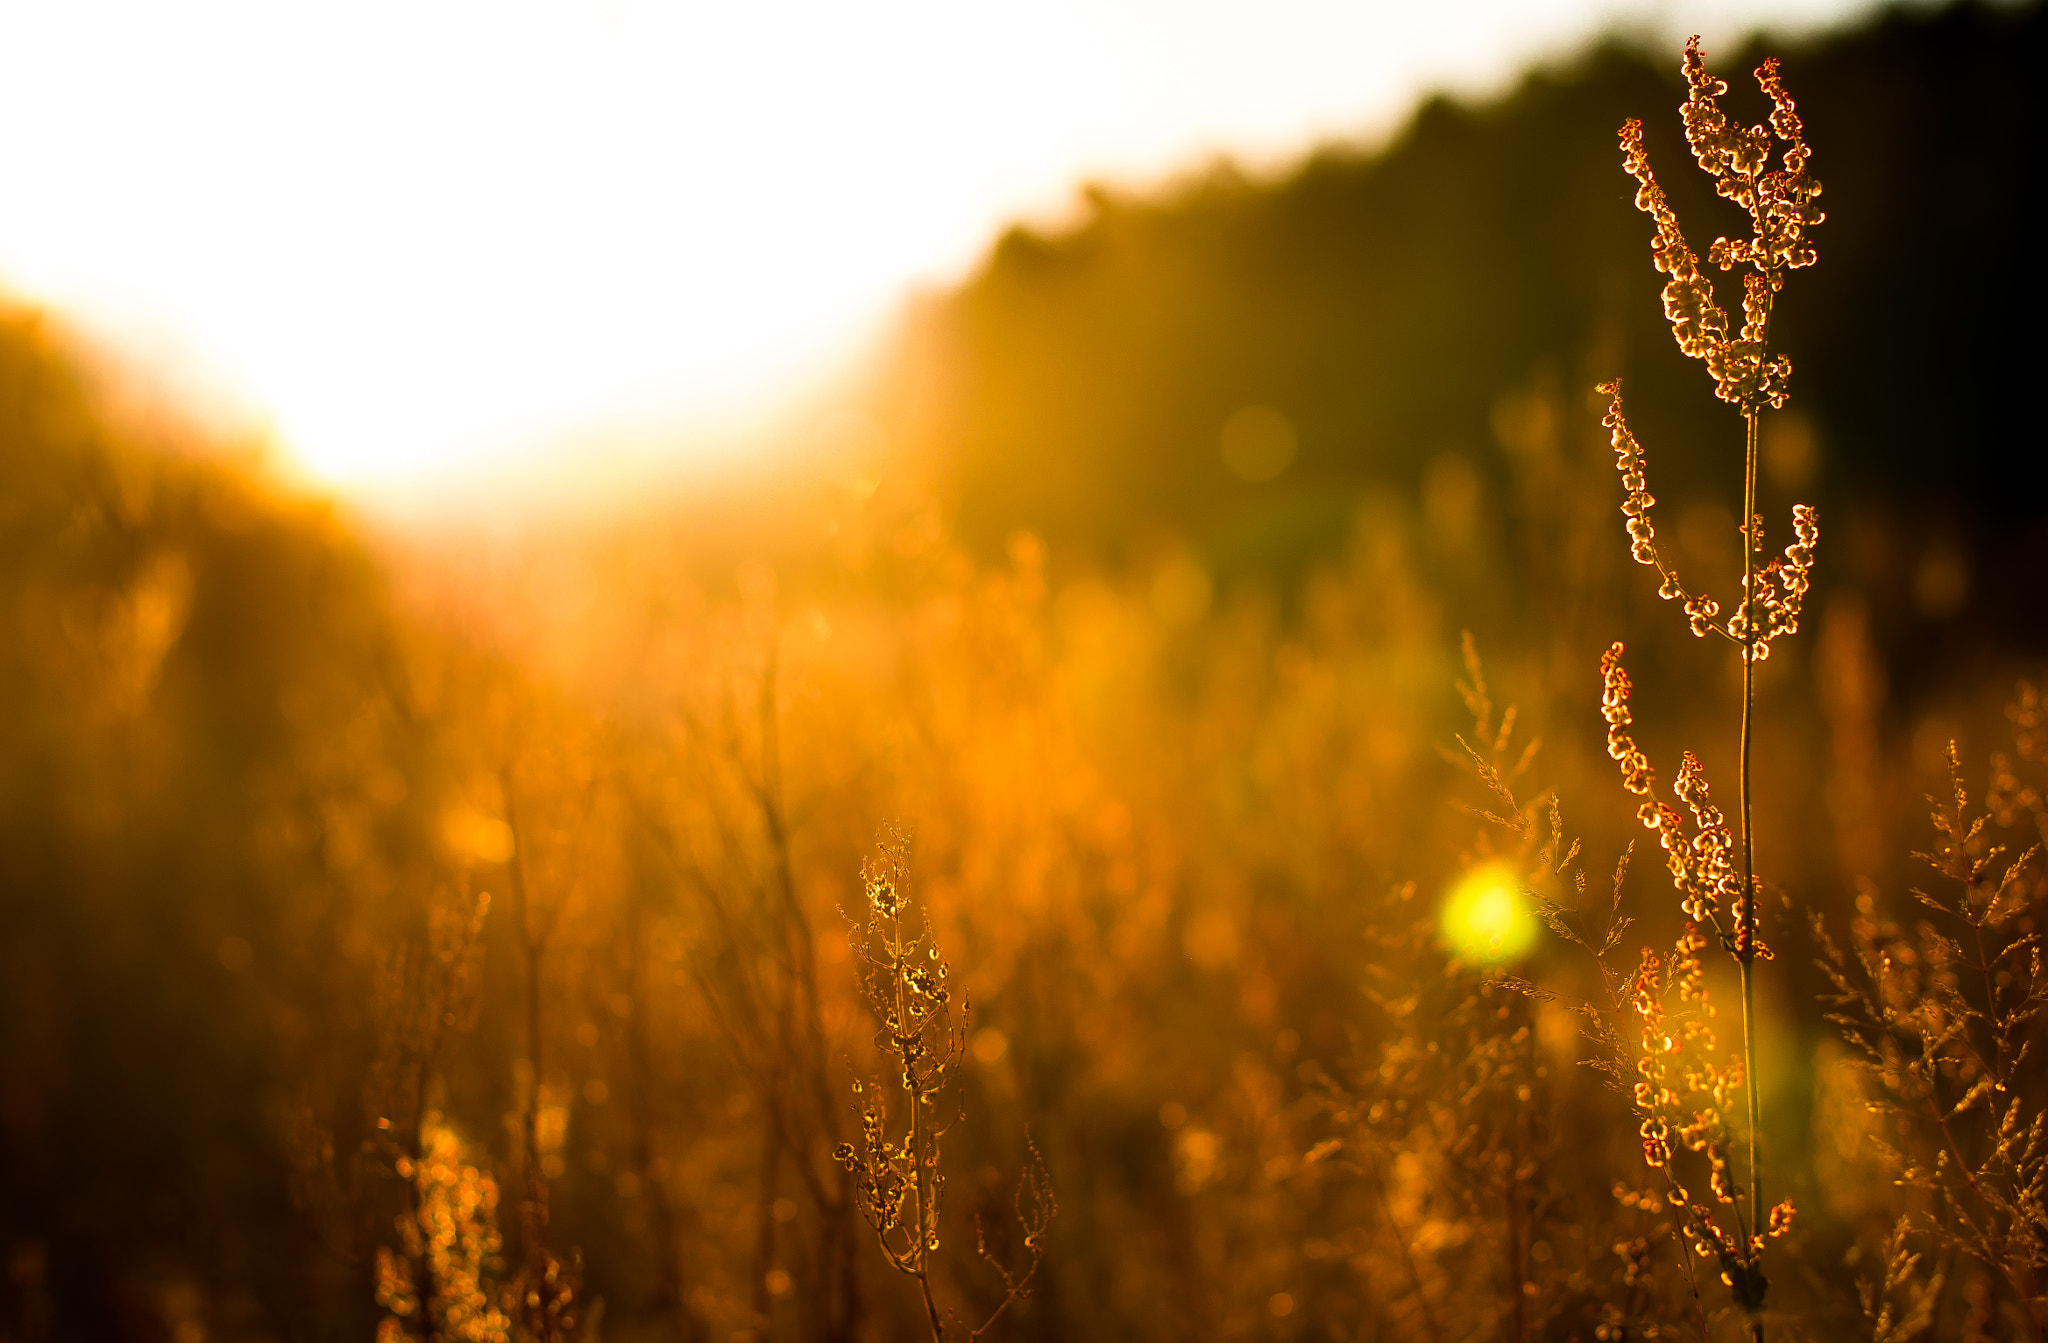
(1679,1091)
(1653,1037)
(723,832)
(900,1184)
(1944,1022)
(1452,1123)
(436,1281)
(545,1290)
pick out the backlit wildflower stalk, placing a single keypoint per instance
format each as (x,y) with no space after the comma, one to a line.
(1682,1093)
(1652,1029)
(899,1181)
(1781,205)
(1654,1039)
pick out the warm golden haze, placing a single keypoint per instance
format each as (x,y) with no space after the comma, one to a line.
(1177,808)
(433,243)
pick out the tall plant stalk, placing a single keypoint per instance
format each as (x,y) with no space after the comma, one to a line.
(900,1188)
(1748,942)
(1780,204)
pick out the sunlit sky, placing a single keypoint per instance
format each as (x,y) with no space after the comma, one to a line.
(419,240)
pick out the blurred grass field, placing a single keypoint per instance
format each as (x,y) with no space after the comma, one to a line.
(1133,584)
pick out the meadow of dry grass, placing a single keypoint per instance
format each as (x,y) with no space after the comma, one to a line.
(603,930)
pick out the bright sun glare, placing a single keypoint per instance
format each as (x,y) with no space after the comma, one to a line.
(420,238)
(1486,918)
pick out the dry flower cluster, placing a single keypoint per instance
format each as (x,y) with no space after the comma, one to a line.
(1778,612)
(1780,203)
(900,1184)
(1681,1091)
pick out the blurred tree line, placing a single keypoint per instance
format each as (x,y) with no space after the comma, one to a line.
(499,891)
(1397,308)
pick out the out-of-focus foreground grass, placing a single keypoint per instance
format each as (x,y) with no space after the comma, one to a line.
(1188,817)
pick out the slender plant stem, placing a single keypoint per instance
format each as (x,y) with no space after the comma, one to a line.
(1401,1240)
(923,1220)
(931,1306)
(1746,950)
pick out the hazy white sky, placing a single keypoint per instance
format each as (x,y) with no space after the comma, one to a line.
(419,237)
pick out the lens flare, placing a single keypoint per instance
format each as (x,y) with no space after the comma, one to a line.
(1486,918)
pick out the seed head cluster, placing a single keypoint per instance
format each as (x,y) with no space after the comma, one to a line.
(1682,1094)
(898,1183)
(1781,207)
(1777,591)
(1702,863)
(898,1178)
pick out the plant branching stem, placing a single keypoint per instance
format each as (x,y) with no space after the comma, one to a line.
(1401,1242)
(1747,951)
(923,1221)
